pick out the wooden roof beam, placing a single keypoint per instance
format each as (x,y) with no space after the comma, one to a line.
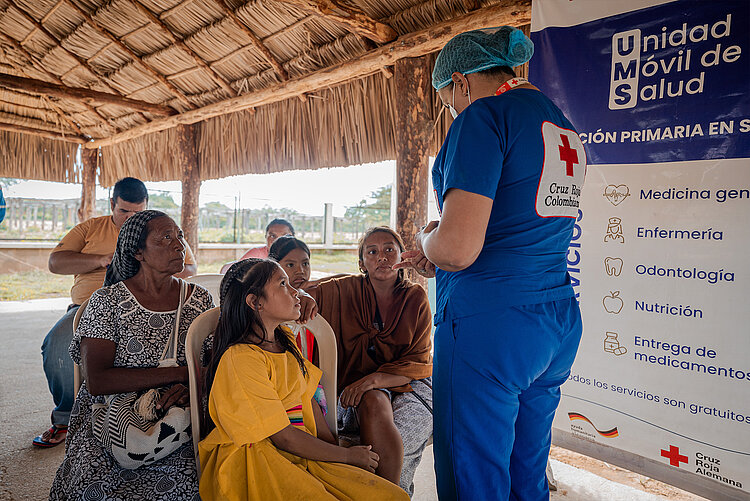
(182,45)
(175,9)
(80,94)
(52,11)
(102,31)
(505,12)
(350,17)
(37,64)
(277,66)
(286,29)
(41,133)
(52,105)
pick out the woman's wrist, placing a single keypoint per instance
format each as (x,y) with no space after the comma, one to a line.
(181,374)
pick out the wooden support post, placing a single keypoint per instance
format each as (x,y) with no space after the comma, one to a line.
(89,159)
(413,95)
(187,151)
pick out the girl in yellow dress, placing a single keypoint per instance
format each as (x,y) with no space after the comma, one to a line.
(269,439)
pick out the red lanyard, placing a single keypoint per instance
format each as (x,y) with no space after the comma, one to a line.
(513,82)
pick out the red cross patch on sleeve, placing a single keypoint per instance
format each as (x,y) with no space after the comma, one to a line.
(563,172)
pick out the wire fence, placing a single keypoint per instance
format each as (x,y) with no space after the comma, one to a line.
(49,220)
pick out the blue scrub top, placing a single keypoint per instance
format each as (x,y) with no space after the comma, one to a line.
(519,150)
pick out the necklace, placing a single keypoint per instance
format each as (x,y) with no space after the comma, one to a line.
(513,82)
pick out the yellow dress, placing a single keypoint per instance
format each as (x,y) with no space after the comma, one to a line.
(255,394)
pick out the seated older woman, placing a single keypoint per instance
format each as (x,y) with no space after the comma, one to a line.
(383,326)
(119,342)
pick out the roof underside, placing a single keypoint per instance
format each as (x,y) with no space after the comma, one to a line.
(186,54)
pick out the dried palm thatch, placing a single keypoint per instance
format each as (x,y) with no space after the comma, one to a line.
(187,54)
(30,157)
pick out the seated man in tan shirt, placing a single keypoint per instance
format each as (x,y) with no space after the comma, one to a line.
(85,252)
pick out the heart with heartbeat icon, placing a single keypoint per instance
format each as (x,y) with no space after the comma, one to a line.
(616,194)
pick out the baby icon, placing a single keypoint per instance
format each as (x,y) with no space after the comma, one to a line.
(614,230)
(612,344)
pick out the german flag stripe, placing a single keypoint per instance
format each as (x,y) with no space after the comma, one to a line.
(606,433)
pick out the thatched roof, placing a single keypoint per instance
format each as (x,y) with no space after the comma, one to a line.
(187,55)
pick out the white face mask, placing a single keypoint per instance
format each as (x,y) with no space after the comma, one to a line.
(451,107)
(453,111)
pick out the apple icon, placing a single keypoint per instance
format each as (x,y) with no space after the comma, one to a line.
(613,303)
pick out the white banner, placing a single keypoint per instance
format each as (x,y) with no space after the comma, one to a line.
(659,256)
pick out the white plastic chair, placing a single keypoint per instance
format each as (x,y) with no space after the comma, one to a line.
(206,324)
(328,362)
(210,282)
(76,367)
(199,330)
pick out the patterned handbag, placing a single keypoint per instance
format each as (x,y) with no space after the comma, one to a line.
(127,426)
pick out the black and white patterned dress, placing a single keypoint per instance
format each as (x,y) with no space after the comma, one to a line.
(88,472)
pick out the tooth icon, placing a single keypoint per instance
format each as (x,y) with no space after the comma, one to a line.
(613,266)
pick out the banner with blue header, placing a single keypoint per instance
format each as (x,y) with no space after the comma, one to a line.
(669,82)
(659,92)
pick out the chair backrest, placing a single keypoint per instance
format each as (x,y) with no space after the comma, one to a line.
(210,282)
(76,367)
(328,361)
(199,330)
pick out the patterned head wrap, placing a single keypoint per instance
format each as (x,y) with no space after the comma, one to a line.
(124,265)
(236,272)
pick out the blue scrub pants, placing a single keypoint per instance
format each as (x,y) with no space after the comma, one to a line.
(58,366)
(497,378)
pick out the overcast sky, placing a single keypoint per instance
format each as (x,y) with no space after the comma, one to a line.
(305,191)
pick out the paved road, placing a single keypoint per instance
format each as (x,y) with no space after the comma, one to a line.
(25,403)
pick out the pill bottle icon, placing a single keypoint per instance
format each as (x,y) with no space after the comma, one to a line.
(612,344)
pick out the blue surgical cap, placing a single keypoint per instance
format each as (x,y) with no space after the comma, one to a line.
(480,50)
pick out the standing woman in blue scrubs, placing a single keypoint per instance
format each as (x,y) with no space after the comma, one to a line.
(507,181)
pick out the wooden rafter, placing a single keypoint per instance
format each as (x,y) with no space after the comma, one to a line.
(39,26)
(103,31)
(505,12)
(182,45)
(80,94)
(109,45)
(350,17)
(240,50)
(175,9)
(41,133)
(254,40)
(52,105)
(52,11)
(60,112)
(38,64)
(287,29)
(72,54)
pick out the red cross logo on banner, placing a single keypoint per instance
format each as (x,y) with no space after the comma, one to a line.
(674,456)
(568,155)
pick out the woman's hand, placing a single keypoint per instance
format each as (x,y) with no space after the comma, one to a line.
(308,307)
(416,260)
(178,395)
(362,456)
(352,394)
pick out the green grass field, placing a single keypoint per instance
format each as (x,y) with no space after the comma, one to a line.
(43,284)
